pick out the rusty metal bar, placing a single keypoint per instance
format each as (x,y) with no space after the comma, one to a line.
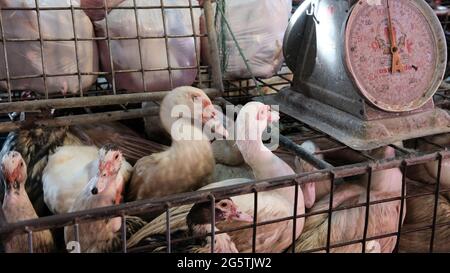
(213,54)
(255,218)
(5,55)
(74,28)
(196,46)
(213,221)
(294,219)
(436,202)
(330,212)
(104,38)
(108,37)
(166,41)
(168,233)
(121,71)
(403,168)
(28,106)
(80,119)
(138,32)
(41,43)
(30,241)
(101,8)
(305,155)
(366,217)
(124,234)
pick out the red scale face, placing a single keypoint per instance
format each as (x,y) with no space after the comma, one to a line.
(370,54)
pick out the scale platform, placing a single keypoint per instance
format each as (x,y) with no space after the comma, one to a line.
(352,131)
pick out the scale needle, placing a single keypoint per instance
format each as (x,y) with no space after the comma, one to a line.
(396,61)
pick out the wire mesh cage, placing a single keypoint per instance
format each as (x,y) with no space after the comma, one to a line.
(343,169)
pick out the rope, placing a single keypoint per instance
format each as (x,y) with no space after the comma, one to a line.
(224,23)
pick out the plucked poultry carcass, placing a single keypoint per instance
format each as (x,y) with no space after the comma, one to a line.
(179,53)
(60,57)
(90,7)
(258,26)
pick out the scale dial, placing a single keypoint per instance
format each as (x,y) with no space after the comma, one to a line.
(401,32)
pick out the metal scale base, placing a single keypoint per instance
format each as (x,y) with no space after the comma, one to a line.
(356,133)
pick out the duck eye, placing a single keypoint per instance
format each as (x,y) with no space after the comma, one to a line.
(223,205)
(21,164)
(117,156)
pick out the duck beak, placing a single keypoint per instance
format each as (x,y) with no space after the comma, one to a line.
(274,116)
(242,217)
(212,118)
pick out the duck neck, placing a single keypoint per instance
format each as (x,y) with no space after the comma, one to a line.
(254,152)
(192,153)
(15,196)
(222,241)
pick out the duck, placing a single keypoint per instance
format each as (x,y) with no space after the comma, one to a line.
(421,208)
(420,214)
(71,168)
(348,225)
(101,191)
(252,120)
(428,172)
(198,222)
(38,143)
(318,189)
(189,162)
(17,207)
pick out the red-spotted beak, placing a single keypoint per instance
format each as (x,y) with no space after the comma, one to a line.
(212,118)
(238,215)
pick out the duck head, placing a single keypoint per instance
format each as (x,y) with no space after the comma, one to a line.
(225,210)
(110,162)
(253,120)
(14,170)
(192,104)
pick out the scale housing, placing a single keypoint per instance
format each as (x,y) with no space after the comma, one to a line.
(324,96)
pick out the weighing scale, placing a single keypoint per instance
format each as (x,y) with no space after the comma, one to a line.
(365,71)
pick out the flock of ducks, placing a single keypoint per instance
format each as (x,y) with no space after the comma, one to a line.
(54,171)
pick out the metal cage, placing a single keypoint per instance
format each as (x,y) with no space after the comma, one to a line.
(235,92)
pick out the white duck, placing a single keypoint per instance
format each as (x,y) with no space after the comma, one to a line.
(101,191)
(251,122)
(17,206)
(348,225)
(70,168)
(189,162)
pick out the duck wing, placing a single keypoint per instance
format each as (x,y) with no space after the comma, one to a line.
(132,145)
(158,226)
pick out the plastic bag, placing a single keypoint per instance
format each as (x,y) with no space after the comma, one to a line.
(25,58)
(126,53)
(259,27)
(98,14)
